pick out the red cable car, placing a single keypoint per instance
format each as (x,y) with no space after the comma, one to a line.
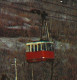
(39,51)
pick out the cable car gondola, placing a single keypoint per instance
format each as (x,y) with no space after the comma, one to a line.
(39,51)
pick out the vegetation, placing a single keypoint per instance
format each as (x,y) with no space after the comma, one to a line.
(62,27)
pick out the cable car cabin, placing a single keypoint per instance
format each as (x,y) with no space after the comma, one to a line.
(39,51)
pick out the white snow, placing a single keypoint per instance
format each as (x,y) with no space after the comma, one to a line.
(14,44)
(62,46)
(11,44)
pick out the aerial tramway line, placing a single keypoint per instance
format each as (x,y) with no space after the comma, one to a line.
(42,50)
(53,17)
(54,11)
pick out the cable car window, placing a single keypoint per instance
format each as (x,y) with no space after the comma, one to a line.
(49,46)
(52,47)
(28,48)
(32,48)
(35,47)
(44,46)
(39,47)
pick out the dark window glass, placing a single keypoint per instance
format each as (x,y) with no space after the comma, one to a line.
(39,47)
(50,47)
(44,46)
(32,48)
(35,47)
(28,48)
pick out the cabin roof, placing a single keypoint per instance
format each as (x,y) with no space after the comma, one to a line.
(39,42)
